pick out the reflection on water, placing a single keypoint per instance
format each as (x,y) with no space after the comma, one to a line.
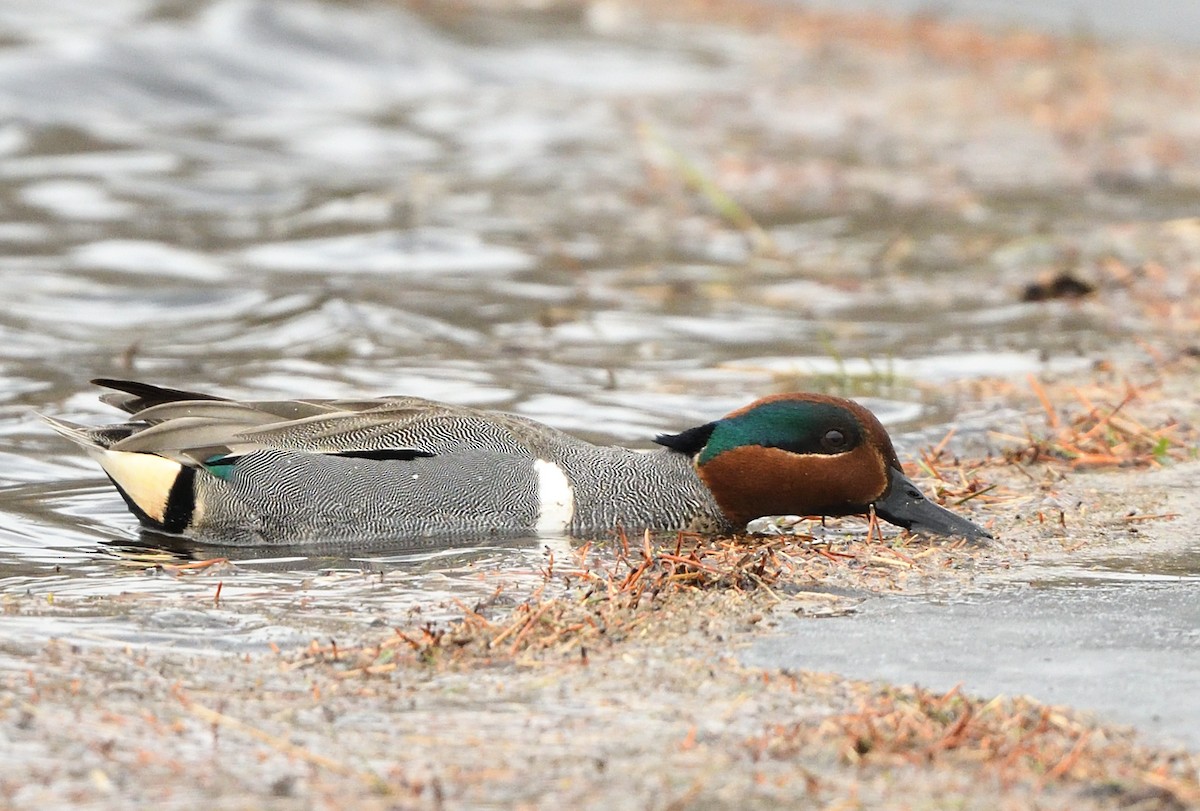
(1128,650)
(340,199)
(1114,634)
(1179,566)
(124,595)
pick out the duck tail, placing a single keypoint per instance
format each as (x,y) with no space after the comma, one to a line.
(158,490)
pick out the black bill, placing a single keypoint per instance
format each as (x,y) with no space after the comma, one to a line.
(906,506)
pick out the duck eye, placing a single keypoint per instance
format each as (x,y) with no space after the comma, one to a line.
(834,440)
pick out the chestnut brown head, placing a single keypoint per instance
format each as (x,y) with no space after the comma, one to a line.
(809,454)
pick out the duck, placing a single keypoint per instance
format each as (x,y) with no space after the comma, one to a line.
(312,471)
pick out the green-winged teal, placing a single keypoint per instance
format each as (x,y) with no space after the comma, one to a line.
(309,471)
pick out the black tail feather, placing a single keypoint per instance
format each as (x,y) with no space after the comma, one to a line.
(138,396)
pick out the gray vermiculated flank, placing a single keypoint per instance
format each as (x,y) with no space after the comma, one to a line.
(288,497)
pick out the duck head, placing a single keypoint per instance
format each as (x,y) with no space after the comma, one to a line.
(810,454)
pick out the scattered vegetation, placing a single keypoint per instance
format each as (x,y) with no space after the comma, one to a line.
(605,594)
(1008,739)
(1097,430)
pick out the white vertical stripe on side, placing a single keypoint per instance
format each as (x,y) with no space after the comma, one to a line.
(556,497)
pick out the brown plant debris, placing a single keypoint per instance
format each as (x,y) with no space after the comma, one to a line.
(606,594)
(1098,429)
(1008,739)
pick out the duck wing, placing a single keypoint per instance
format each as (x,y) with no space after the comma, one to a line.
(193,427)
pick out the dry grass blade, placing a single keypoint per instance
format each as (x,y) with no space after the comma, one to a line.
(1096,434)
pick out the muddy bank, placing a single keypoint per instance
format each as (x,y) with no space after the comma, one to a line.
(654,713)
(665,721)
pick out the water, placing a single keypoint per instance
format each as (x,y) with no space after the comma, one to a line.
(347,199)
(1120,640)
